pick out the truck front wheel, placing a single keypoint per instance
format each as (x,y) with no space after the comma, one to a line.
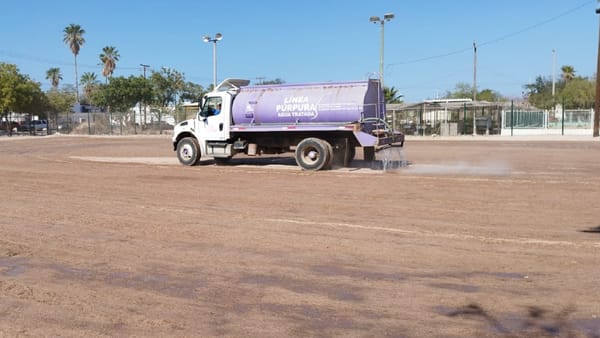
(188,151)
(313,154)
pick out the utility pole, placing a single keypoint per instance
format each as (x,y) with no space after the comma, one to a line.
(597,105)
(474,71)
(553,73)
(145,106)
(474,86)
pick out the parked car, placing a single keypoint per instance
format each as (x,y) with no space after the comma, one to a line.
(35,126)
(39,125)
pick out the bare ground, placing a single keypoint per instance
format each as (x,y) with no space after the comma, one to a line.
(109,236)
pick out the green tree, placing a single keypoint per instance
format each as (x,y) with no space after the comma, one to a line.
(122,94)
(574,91)
(19,93)
(167,85)
(54,75)
(192,91)
(73,37)
(539,93)
(146,95)
(489,95)
(463,90)
(109,57)
(578,93)
(10,79)
(391,95)
(60,102)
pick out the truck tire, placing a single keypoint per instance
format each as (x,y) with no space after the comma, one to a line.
(329,163)
(313,154)
(188,151)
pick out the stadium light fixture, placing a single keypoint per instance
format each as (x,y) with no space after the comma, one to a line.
(218,37)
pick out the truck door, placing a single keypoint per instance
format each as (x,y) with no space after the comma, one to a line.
(214,119)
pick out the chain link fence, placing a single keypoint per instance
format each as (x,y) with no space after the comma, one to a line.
(147,120)
(446,118)
(434,117)
(453,118)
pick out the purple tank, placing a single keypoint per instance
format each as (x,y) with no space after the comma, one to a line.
(337,102)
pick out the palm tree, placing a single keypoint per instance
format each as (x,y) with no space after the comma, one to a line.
(88,80)
(74,39)
(568,73)
(391,95)
(54,75)
(109,57)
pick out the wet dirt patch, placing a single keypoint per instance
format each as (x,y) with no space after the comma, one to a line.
(456,287)
(164,284)
(509,275)
(461,169)
(472,274)
(337,291)
(331,270)
(12,266)
(311,320)
(136,160)
(533,322)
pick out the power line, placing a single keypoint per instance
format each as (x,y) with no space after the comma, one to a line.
(501,38)
(53,62)
(547,21)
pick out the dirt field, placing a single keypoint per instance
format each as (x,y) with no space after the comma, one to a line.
(109,236)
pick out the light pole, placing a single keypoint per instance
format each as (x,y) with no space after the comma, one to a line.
(145,106)
(596,131)
(474,71)
(217,37)
(474,87)
(554,75)
(378,20)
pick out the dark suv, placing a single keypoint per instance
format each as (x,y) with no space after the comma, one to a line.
(35,126)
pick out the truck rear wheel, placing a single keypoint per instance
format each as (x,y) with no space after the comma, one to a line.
(313,154)
(330,153)
(188,151)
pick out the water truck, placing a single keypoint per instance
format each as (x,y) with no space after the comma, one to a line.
(322,123)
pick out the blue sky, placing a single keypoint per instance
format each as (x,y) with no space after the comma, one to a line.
(428,45)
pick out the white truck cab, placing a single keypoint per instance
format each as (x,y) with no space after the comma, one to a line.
(211,127)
